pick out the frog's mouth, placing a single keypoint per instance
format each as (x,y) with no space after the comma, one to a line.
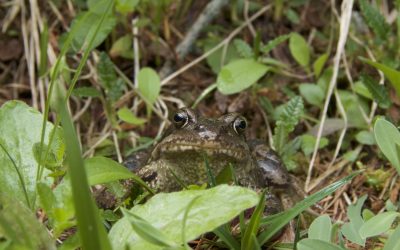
(211,149)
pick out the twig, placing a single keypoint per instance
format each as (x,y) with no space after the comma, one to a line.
(345,126)
(115,139)
(136,62)
(246,17)
(344,28)
(211,51)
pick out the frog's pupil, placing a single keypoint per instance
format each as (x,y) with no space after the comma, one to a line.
(242,124)
(179,117)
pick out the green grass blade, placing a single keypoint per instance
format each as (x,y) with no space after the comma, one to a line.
(74,80)
(277,221)
(227,237)
(252,228)
(91,231)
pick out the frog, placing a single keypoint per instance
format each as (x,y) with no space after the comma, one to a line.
(195,148)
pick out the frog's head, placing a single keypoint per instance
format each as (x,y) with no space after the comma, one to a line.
(192,135)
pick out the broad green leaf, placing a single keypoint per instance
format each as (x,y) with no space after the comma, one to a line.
(214,60)
(149,84)
(299,49)
(393,243)
(122,47)
(379,92)
(321,228)
(90,228)
(315,244)
(375,19)
(351,229)
(103,170)
(243,48)
(362,90)
(365,137)
(378,224)
(319,64)
(353,105)
(313,93)
(239,75)
(275,222)
(86,23)
(213,208)
(308,143)
(126,115)
(20,127)
(86,92)
(58,205)
(146,231)
(125,6)
(19,225)
(392,74)
(274,42)
(387,136)
(292,16)
(99,6)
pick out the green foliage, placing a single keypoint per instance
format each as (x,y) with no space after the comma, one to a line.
(122,47)
(392,74)
(243,48)
(351,229)
(274,223)
(378,224)
(215,59)
(126,115)
(312,244)
(387,137)
(86,92)
(146,231)
(321,228)
(287,121)
(319,64)
(212,208)
(149,86)
(239,75)
(253,226)
(58,205)
(86,24)
(365,137)
(299,49)
(103,170)
(393,242)
(91,231)
(19,228)
(125,6)
(374,19)
(113,85)
(274,42)
(313,93)
(354,106)
(308,143)
(21,126)
(378,92)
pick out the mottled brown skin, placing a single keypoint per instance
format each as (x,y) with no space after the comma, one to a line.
(182,151)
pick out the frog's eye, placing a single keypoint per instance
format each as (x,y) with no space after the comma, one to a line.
(181,118)
(239,124)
